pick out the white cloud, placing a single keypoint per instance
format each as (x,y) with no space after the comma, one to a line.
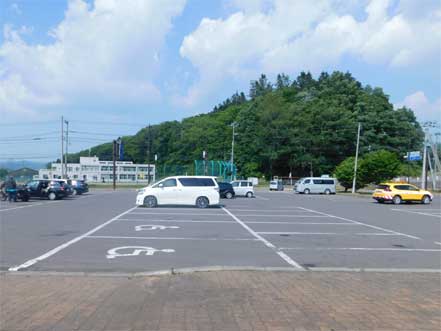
(424,109)
(105,51)
(298,35)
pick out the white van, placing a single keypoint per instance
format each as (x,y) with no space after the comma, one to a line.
(309,185)
(202,191)
(243,187)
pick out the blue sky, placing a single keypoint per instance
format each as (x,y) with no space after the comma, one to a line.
(113,66)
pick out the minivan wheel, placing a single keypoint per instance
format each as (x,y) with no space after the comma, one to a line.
(327,191)
(202,202)
(150,202)
(52,196)
(307,191)
(425,200)
(229,195)
(396,200)
(249,194)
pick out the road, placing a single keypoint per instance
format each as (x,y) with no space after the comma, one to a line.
(104,232)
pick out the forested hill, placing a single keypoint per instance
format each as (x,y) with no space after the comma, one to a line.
(288,126)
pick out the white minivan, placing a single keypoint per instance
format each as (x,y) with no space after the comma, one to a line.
(201,191)
(309,185)
(243,187)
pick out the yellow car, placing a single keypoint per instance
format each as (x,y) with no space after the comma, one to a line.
(399,192)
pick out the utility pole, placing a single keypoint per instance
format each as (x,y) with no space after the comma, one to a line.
(114,164)
(67,149)
(149,147)
(354,181)
(232,148)
(62,147)
(424,170)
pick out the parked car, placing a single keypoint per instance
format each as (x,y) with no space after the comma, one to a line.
(243,188)
(79,186)
(226,190)
(43,188)
(276,185)
(309,185)
(202,191)
(65,186)
(399,192)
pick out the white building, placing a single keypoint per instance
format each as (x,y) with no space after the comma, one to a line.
(92,169)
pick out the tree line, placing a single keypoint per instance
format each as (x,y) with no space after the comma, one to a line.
(300,126)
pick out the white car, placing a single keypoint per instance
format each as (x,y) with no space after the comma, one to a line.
(202,191)
(243,187)
(309,185)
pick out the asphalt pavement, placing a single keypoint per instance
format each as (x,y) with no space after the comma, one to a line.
(103,231)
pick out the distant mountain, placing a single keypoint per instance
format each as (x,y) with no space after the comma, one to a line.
(14,165)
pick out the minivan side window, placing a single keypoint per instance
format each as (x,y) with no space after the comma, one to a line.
(169,182)
(317,181)
(307,181)
(196,182)
(243,184)
(328,181)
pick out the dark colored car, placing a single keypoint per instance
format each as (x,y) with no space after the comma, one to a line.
(79,186)
(67,188)
(226,190)
(42,188)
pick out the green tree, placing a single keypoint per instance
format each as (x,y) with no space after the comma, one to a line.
(3,173)
(260,87)
(377,167)
(344,172)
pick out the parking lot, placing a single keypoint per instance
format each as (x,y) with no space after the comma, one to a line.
(104,232)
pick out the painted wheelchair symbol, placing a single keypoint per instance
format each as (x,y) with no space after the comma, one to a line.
(155,227)
(135,251)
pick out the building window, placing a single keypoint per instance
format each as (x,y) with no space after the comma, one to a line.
(128,169)
(122,176)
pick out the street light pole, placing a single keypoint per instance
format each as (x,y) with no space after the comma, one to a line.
(62,147)
(232,148)
(67,149)
(354,181)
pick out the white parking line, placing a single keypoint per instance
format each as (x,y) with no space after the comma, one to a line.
(437,243)
(178,221)
(267,210)
(31,205)
(417,212)
(332,233)
(368,225)
(27,264)
(260,198)
(171,238)
(299,223)
(180,214)
(266,242)
(362,249)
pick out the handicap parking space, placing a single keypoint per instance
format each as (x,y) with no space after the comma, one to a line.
(174,229)
(142,255)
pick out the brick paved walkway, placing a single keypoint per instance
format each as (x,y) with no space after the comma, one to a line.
(226,300)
